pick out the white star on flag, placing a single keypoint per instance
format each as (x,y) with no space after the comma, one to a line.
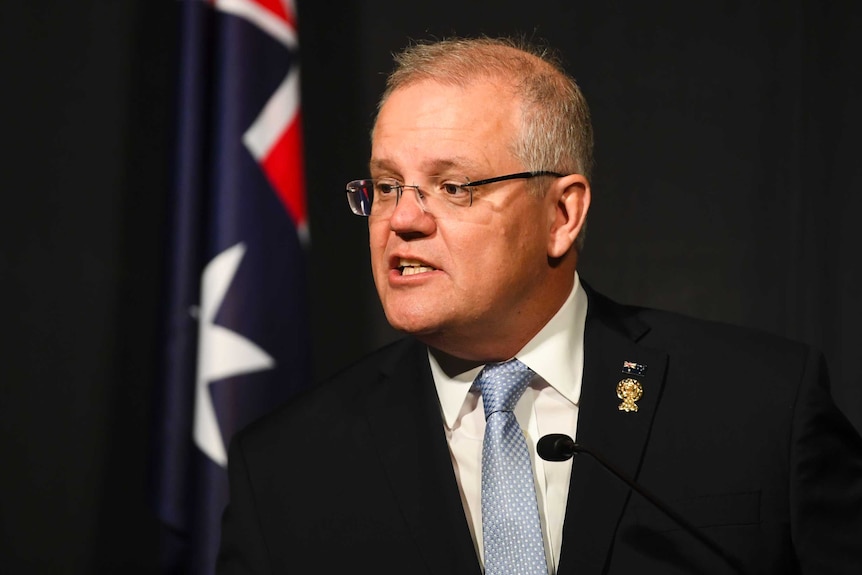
(221,352)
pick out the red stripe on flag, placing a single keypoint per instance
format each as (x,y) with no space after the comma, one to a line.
(277,8)
(284,168)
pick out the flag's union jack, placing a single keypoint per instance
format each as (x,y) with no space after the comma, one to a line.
(275,137)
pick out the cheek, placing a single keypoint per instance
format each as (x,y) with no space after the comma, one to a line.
(515,257)
(378,235)
(477,262)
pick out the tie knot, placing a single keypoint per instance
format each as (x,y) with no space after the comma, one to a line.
(502,385)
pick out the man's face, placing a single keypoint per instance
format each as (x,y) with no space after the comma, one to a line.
(476,272)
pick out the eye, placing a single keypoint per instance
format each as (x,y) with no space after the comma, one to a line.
(454,190)
(385,187)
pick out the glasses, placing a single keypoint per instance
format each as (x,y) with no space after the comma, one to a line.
(379,197)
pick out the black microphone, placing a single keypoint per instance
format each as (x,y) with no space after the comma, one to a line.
(561,447)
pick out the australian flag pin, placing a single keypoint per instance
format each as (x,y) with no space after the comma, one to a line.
(632,368)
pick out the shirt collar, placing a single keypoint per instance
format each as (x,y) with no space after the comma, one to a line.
(556,354)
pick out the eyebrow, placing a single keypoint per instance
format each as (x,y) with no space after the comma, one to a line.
(432,167)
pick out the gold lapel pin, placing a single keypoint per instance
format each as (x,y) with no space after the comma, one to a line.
(629,390)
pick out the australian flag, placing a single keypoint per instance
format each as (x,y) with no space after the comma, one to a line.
(236,335)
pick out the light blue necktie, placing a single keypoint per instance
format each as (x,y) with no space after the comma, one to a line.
(511,533)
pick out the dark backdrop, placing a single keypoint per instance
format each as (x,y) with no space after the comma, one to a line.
(727,187)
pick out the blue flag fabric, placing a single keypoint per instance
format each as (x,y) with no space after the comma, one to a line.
(236,333)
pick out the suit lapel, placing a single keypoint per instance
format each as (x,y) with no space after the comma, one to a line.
(404,417)
(597,498)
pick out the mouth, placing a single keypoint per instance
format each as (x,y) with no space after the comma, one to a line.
(413,267)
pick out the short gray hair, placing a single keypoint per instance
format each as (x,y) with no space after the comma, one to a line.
(556,132)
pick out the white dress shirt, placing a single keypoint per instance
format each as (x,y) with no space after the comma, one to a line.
(549,405)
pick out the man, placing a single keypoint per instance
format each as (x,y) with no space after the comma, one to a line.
(479,191)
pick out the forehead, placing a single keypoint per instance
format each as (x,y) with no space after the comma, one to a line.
(432,124)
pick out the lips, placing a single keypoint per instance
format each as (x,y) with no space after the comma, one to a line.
(410,267)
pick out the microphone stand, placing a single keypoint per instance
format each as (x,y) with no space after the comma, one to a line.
(560,447)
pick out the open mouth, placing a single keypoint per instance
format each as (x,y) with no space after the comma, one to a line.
(412,267)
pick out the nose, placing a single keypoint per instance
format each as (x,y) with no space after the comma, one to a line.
(409,215)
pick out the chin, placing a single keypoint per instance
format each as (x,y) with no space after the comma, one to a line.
(411,323)
(410,327)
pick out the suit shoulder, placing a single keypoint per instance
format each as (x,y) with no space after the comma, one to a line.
(708,341)
(737,356)
(329,400)
(686,332)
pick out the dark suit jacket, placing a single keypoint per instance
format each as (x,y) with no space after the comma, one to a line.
(736,430)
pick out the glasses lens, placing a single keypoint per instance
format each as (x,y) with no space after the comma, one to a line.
(359,195)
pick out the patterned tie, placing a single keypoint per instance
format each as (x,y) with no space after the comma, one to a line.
(510,517)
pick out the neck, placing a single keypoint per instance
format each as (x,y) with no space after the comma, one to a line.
(496,342)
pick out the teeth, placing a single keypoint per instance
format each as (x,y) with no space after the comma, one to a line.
(409,271)
(411,267)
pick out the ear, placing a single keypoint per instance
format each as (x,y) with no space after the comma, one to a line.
(569,204)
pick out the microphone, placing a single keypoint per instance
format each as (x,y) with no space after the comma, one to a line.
(561,447)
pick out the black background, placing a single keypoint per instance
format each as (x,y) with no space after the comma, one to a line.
(727,187)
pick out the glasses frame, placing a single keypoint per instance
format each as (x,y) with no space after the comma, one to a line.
(468,184)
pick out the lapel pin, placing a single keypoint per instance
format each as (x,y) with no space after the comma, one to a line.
(632,368)
(629,390)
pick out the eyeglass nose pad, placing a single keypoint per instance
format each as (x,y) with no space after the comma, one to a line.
(417,193)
